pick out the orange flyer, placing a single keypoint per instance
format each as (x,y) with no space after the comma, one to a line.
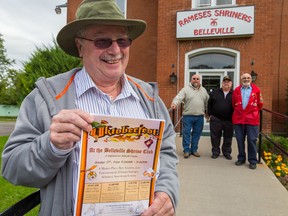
(118,166)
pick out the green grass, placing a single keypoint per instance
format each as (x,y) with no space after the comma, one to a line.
(9,193)
(7,119)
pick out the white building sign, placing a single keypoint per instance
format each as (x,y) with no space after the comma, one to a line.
(220,22)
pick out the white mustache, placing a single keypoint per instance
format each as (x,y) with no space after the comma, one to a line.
(112,58)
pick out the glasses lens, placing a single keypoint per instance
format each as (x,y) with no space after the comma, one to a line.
(195,78)
(104,43)
(124,42)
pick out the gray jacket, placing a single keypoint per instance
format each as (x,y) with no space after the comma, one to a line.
(28,159)
(195,100)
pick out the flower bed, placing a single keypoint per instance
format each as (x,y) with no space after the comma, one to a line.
(278,166)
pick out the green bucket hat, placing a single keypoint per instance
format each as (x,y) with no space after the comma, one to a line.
(101,12)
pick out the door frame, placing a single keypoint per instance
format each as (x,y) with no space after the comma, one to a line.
(221,72)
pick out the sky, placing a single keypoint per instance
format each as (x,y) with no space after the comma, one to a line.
(27,24)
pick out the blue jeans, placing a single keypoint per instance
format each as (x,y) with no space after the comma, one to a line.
(251,131)
(196,124)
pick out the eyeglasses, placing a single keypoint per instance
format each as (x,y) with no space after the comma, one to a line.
(246,78)
(104,43)
(195,78)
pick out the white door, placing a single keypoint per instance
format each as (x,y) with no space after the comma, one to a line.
(210,81)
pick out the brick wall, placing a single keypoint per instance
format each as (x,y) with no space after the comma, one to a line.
(152,54)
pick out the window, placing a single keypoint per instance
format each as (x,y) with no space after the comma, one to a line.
(223,2)
(122,5)
(212,61)
(211,3)
(204,3)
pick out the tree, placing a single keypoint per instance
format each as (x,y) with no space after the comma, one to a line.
(44,62)
(5,62)
(6,76)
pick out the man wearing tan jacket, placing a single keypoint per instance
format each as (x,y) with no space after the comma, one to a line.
(195,98)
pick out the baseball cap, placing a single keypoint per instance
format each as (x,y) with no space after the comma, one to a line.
(226,78)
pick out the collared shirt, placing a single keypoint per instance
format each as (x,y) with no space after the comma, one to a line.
(245,93)
(92,100)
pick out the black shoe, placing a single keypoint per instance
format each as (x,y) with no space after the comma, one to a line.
(239,163)
(214,156)
(252,166)
(228,157)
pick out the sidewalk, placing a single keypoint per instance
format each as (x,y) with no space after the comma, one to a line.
(6,128)
(217,187)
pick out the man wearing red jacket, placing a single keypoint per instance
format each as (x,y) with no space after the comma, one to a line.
(247,102)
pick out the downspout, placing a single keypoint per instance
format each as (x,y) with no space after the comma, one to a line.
(178,81)
(279,57)
(178,54)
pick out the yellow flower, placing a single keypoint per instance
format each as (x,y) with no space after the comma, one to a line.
(278,168)
(278,174)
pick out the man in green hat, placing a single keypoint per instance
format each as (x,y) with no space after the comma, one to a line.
(43,150)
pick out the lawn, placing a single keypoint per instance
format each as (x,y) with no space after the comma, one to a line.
(10,194)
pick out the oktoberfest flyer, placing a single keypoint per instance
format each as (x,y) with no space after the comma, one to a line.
(118,166)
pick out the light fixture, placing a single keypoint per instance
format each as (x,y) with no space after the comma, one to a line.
(173,76)
(58,8)
(253,75)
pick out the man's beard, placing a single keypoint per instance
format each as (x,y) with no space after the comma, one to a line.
(195,85)
(246,84)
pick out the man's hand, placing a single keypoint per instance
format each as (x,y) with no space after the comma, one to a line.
(161,205)
(66,126)
(173,106)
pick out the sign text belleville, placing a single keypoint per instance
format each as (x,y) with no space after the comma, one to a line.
(219,22)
